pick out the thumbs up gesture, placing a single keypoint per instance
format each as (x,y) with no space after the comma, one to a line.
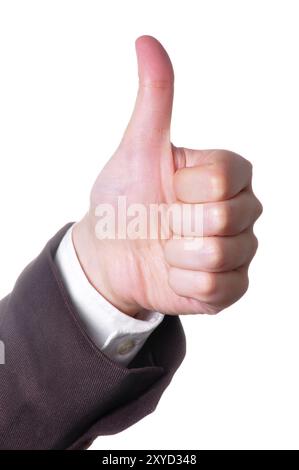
(170,267)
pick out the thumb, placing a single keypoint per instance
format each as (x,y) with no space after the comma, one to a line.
(151,117)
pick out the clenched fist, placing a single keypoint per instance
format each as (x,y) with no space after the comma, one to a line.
(170,275)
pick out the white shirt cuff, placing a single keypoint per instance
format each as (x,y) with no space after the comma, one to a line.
(118,335)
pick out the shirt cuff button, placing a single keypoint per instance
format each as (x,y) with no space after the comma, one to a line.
(126,347)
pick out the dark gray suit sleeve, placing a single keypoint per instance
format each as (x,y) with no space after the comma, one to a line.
(57,389)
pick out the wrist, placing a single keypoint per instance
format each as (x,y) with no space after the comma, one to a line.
(98,260)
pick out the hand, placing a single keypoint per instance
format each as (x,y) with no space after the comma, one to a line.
(158,274)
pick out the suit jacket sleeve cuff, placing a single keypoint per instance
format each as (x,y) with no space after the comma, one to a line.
(109,328)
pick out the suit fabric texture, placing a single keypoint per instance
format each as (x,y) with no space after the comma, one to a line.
(57,389)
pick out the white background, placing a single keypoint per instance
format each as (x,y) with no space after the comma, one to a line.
(67,86)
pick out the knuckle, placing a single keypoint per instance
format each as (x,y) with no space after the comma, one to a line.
(259,208)
(246,162)
(230,156)
(226,165)
(255,244)
(247,165)
(252,248)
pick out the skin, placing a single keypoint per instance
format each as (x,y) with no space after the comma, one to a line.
(163,275)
